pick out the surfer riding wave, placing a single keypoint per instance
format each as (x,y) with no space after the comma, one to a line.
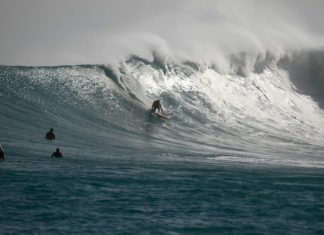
(157,106)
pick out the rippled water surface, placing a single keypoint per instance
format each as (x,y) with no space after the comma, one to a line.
(157,195)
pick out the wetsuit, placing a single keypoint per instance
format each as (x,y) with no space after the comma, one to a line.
(2,157)
(50,136)
(57,154)
(156,106)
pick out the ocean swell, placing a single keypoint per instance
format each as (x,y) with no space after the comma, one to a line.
(269,109)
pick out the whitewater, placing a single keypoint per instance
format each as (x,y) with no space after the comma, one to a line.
(262,116)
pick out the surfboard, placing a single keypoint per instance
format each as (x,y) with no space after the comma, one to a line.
(161,115)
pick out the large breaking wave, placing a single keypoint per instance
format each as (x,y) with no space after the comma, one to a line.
(266,111)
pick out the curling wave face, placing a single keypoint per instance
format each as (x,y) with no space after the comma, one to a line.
(263,116)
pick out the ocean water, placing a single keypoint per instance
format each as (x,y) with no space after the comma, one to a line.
(241,153)
(145,194)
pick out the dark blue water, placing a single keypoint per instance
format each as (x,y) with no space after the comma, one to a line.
(157,195)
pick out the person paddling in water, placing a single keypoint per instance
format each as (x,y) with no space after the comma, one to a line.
(2,154)
(57,153)
(50,135)
(157,106)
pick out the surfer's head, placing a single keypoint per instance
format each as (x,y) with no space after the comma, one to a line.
(51,130)
(57,150)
